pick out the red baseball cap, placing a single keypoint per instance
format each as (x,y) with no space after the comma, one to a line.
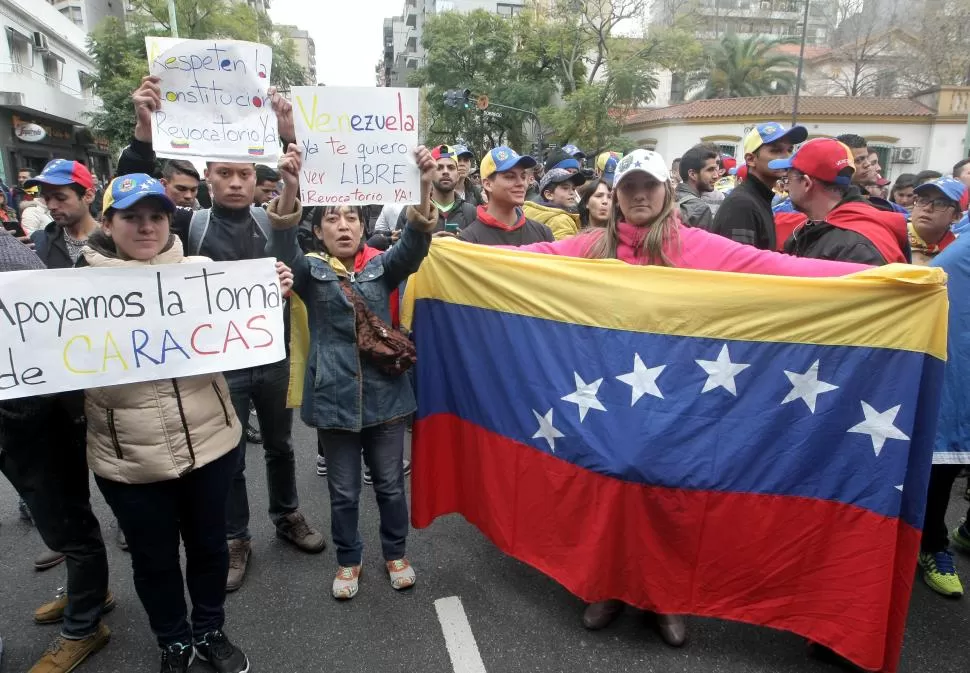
(444,152)
(728,162)
(824,159)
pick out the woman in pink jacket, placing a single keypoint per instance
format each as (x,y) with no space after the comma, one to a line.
(645,228)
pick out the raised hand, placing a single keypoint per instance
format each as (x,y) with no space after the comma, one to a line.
(147,98)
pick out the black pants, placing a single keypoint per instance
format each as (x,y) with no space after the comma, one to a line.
(43,456)
(153,517)
(936,537)
(266,387)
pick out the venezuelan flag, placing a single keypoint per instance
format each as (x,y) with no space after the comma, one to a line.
(745,447)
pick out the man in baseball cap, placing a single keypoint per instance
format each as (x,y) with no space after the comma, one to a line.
(68,190)
(505,178)
(465,188)
(828,225)
(574,152)
(937,207)
(556,207)
(745,216)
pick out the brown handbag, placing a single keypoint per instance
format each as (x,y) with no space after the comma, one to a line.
(387,348)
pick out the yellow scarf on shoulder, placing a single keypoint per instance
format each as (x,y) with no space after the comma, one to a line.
(300,336)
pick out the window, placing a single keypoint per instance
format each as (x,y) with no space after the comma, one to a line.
(53,69)
(20,53)
(506,9)
(87,83)
(724,148)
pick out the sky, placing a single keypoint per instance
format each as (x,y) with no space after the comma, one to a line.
(348,34)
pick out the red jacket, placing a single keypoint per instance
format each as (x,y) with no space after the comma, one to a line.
(884,230)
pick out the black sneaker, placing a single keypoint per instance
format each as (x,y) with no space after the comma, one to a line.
(222,655)
(176,658)
(252,435)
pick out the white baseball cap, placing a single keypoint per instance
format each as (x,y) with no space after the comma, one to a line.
(641,161)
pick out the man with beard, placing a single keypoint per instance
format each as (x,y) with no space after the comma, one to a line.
(839,227)
(698,173)
(68,190)
(454,213)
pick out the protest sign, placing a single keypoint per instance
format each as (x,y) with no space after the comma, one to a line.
(70,329)
(357,144)
(214,100)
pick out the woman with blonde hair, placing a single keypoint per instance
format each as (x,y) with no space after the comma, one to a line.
(644,227)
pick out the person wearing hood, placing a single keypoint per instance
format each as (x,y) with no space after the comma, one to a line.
(645,228)
(358,402)
(163,484)
(505,176)
(557,206)
(830,224)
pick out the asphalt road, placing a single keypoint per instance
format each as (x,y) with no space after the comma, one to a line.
(285,619)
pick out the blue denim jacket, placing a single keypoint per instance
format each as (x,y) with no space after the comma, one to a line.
(341,390)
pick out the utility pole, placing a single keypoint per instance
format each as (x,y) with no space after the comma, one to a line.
(801,65)
(172,18)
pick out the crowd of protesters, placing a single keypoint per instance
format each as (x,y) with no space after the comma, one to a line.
(823,209)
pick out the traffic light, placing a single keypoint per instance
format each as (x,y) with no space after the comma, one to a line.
(458,98)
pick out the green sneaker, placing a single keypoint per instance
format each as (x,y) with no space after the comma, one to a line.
(940,574)
(961,538)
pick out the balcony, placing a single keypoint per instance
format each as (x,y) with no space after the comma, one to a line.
(412,41)
(28,91)
(411,16)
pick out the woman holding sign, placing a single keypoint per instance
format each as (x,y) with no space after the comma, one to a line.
(164,453)
(355,391)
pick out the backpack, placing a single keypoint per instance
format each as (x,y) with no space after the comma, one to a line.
(199,226)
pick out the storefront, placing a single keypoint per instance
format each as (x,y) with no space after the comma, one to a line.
(31,140)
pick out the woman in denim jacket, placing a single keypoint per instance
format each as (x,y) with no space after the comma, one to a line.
(354,405)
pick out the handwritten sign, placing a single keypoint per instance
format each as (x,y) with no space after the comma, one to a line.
(214,100)
(358,145)
(70,329)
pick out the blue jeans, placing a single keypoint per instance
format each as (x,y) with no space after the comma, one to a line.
(383,449)
(153,517)
(266,386)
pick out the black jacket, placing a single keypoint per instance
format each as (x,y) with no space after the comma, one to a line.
(488,232)
(232,234)
(745,215)
(821,240)
(50,246)
(853,231)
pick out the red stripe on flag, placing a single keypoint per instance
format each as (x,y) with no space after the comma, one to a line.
(837,574)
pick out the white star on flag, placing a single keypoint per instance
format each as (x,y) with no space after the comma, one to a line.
(643,381)
(899,487)
(585,396)
(547,430)
(721,372)
(807,387)
(879,426)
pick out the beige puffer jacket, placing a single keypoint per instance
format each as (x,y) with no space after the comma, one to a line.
(140,433)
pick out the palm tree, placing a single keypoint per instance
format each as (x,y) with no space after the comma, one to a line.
(738,68)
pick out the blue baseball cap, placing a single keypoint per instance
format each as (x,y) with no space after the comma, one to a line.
(59,172)
(573,151)
(609,170)
(769,132)
(502,159)
(127,190)
(462,151)
(952,189)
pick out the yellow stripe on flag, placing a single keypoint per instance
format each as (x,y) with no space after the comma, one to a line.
(895,306)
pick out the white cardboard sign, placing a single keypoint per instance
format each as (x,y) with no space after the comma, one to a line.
(358,145)
(70,329)
(214,100)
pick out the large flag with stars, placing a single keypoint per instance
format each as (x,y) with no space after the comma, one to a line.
(752,448)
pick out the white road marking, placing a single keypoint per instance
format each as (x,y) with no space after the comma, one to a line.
(459,638)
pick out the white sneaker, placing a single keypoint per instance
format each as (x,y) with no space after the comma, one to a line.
(346,583)
(401,574)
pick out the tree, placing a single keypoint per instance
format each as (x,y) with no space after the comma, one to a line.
(939,53)
(737,68)
(118,49)
(863,56)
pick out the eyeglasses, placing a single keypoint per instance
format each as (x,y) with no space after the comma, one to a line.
(932,204)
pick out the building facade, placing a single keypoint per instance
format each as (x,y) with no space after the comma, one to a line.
(88,14)
(306,50)
(403,50)
(46,91)
(910,134)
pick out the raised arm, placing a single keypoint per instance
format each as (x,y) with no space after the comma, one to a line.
(403,259)
(284,213)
